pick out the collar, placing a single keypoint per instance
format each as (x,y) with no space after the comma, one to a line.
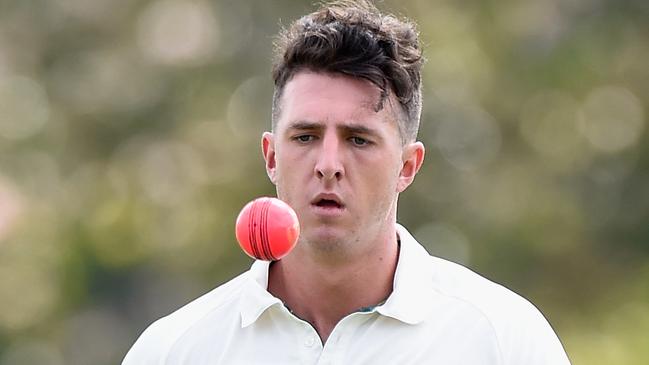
(412,296)
(410,302)
(255,298)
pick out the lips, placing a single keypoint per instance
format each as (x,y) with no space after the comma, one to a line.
(328,201)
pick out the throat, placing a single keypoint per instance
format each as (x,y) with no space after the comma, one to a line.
(323,296)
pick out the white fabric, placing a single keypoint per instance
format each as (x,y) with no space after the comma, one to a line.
(439,313)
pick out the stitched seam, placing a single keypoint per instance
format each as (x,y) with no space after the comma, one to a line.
(230,297)
(482,312)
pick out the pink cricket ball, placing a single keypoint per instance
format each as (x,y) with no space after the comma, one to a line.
(267,229)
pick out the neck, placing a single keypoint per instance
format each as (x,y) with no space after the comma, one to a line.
(322,292)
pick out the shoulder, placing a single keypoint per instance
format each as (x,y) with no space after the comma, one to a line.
(522,332)
(461,283)
(153,343)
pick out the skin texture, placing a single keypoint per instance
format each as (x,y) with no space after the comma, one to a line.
(329,142)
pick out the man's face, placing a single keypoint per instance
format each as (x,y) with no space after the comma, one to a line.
(336,161)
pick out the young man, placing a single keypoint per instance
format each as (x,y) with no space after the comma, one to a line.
(358,288)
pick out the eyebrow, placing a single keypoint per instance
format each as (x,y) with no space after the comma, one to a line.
(350,128)
(304,125)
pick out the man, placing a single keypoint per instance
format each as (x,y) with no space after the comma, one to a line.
(358,288)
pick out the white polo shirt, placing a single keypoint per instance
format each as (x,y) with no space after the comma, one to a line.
(438,313)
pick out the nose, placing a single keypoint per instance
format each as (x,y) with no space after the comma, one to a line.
(329,166)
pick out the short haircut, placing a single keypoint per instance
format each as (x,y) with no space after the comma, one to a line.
(353,38)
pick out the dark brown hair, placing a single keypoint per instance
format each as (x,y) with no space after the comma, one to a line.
(353,38)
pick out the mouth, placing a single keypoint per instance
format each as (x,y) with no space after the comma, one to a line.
(328,203)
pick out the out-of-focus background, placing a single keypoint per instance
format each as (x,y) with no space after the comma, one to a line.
(129,140)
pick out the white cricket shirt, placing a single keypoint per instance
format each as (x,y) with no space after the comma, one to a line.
(438,313)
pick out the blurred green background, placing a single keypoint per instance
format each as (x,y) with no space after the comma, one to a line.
(129,140)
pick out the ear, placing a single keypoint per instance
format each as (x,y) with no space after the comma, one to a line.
(268,149)
(412,159)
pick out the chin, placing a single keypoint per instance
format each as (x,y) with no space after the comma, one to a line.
(326,238)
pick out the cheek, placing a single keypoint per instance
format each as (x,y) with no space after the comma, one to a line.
(289,167)
(288,178)
(380,181)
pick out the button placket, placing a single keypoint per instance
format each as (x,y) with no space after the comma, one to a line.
(334,348)
(309,341)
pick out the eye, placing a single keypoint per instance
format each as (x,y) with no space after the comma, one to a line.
(305,138)
(359,141)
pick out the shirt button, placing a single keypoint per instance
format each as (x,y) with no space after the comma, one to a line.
(309,341)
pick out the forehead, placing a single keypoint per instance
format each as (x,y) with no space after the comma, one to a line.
(311,96)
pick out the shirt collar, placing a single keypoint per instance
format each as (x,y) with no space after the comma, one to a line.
(412,296)
(255,298)
(410,301)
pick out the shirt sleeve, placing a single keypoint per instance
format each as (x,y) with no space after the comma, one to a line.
(529,339)
(150,347)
